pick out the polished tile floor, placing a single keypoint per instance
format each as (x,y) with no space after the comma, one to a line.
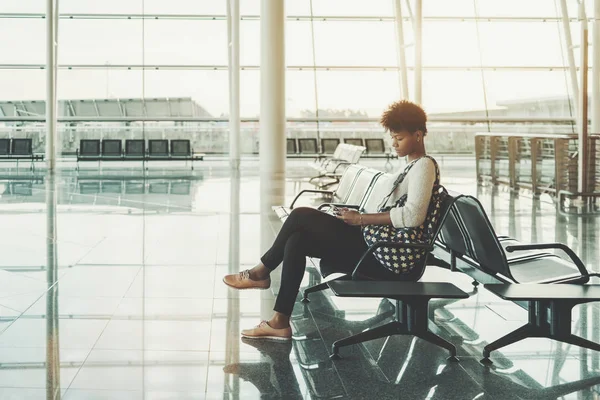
(110,288)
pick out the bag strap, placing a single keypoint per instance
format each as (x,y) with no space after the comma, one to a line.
(401,177)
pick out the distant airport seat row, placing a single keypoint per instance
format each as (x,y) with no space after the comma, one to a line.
(308,147)
(135,149)
(529,275)
(19,149)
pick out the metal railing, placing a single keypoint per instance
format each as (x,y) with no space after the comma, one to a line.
(544,163)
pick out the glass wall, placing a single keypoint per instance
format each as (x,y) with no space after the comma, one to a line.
(486,65)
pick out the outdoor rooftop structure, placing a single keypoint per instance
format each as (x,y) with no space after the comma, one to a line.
(109,108)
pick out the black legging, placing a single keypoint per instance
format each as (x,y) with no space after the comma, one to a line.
(312,233)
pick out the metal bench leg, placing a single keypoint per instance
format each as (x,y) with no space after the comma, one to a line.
(581,342)
(524,332)
(439,341)
(312,289)
(389,329)
(411,319)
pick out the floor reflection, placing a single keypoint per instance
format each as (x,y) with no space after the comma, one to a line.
(110,288)
(52,313)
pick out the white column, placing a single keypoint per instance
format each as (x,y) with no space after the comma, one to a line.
(569,49)
(233,19)
(272,88)
(51,103)
(403,72)
(596,70)
(583,145)
(418,25)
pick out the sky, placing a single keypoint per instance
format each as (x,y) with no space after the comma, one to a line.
(447,45)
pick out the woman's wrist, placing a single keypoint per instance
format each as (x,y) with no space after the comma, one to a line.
(361,220)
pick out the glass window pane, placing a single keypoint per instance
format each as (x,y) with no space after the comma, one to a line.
(146,6)
(93,42)
(187,42)
(31,46)
(353,7)
(447,44)
(22,6)
(528,93)
(356,93)
(184,7)
(98,84)
(521,44)
(444,8)
(101,7)
(517,8)
(250,42)
(22,84)
(209,89)
(352,43)
(452,91)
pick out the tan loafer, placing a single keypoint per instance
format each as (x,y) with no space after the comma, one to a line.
(264,331)
(243,281)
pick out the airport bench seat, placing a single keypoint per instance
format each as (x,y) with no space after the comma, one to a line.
(468,243)
(550,308)
(17,149)
(412,309)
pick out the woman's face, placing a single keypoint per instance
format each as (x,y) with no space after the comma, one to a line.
(404,142)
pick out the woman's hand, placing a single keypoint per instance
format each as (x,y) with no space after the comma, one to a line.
(351,217)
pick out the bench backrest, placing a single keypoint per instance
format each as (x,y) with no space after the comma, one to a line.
(346,184)
(4,147)
(22,147)
(291,146)
(362,186)
(330,146)
(379,189)
(444,212)
(357,152)
(344,153)
(112,148)
(307,146)
(452,236)
(375,146)
(135,147)
(181,147)
(89,147)
(482,242)
(158,147)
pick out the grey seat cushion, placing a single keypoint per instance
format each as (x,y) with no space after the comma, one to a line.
(543,270)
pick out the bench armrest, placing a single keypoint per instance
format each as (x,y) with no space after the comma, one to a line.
(340,164)
(541,246)
(329,192)
(326,161)
(377,245)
